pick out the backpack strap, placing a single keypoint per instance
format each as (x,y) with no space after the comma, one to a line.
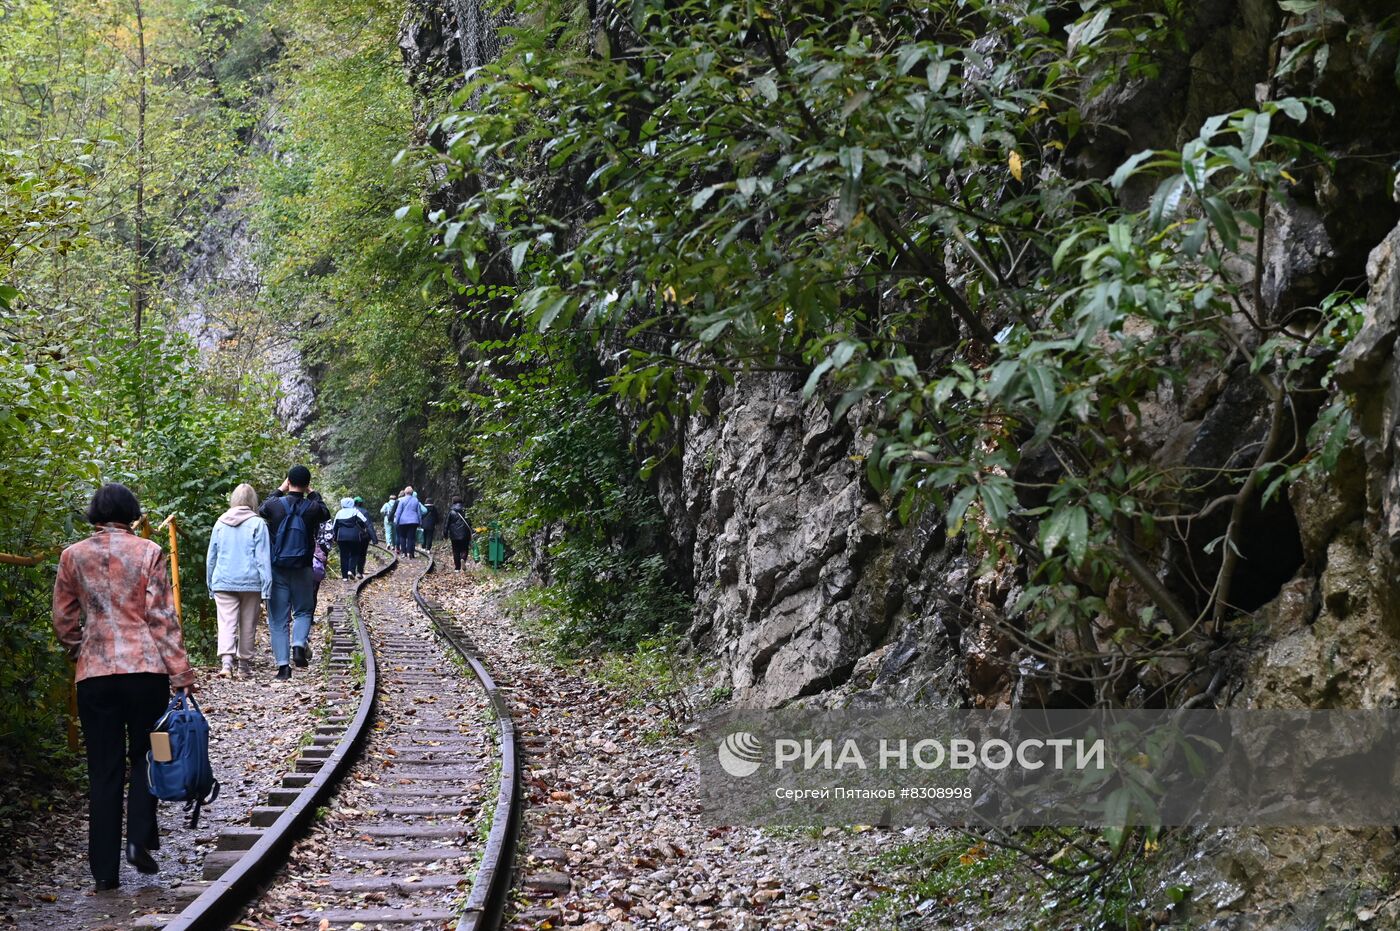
(195,805)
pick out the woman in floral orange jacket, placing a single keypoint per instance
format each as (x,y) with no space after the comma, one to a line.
(113,611)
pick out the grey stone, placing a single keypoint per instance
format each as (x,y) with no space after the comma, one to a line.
(553,882)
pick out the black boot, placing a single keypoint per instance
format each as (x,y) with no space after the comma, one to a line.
(284,672)
(140,858)
(301,656)
(106,885)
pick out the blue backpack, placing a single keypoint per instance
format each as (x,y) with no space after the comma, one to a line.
(292,547)
(187,777)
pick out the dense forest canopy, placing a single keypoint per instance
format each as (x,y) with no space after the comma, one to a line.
(123,126)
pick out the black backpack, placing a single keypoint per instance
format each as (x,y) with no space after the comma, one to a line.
(351,529)
(291,548)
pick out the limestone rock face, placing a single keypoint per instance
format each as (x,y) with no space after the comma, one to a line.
(791,553)
(1291,878)
(443,39)
(1371,371)
(1329,639)
(218,284)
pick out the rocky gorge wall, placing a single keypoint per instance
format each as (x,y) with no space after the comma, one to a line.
(807,589)
(217,284)
(804,585)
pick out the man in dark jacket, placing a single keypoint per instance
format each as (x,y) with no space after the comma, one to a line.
(459,532)
(293,601)
(430,522)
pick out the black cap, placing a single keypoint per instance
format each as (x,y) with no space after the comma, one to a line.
(299,476)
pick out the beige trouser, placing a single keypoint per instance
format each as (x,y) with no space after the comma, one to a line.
(238,622)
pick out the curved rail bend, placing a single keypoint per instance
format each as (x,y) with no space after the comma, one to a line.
(239,885)
(485,908)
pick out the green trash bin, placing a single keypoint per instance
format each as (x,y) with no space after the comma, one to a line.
(495,547)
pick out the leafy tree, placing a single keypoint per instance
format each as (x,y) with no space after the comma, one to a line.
(337,278)
(549,459)
(84,398)
(878,200)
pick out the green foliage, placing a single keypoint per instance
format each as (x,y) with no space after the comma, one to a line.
(79,415)
(642,668)
(390,351)
(83,399)
(874,200)
(1312,29)
(550,461)
(332,264)
(69,99)
(1035,878)
(195,441)
(613,596)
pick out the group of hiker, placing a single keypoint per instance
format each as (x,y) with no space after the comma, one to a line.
(249,561)
(405,518)
(276,554)
(114,613)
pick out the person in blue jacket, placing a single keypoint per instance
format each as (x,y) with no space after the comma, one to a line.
(238,574)
(407,516)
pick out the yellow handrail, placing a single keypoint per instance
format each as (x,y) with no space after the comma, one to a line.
(11,560)
(145,529)
(175,564)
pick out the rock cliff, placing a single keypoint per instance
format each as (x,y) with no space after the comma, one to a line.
(218,283)
(807,588)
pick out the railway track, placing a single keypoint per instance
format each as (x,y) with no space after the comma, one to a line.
(409,789)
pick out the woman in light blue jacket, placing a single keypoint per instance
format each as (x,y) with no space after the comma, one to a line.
(238,573)
(390,538)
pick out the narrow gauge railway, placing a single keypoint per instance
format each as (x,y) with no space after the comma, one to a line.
(402,810)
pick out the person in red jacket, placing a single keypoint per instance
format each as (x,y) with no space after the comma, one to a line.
(114,613)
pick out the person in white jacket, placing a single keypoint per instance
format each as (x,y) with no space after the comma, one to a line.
(238,573)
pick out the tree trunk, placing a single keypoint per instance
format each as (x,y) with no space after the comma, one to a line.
(138,290)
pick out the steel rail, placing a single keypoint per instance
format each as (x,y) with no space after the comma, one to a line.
(241,883)
(486,904)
